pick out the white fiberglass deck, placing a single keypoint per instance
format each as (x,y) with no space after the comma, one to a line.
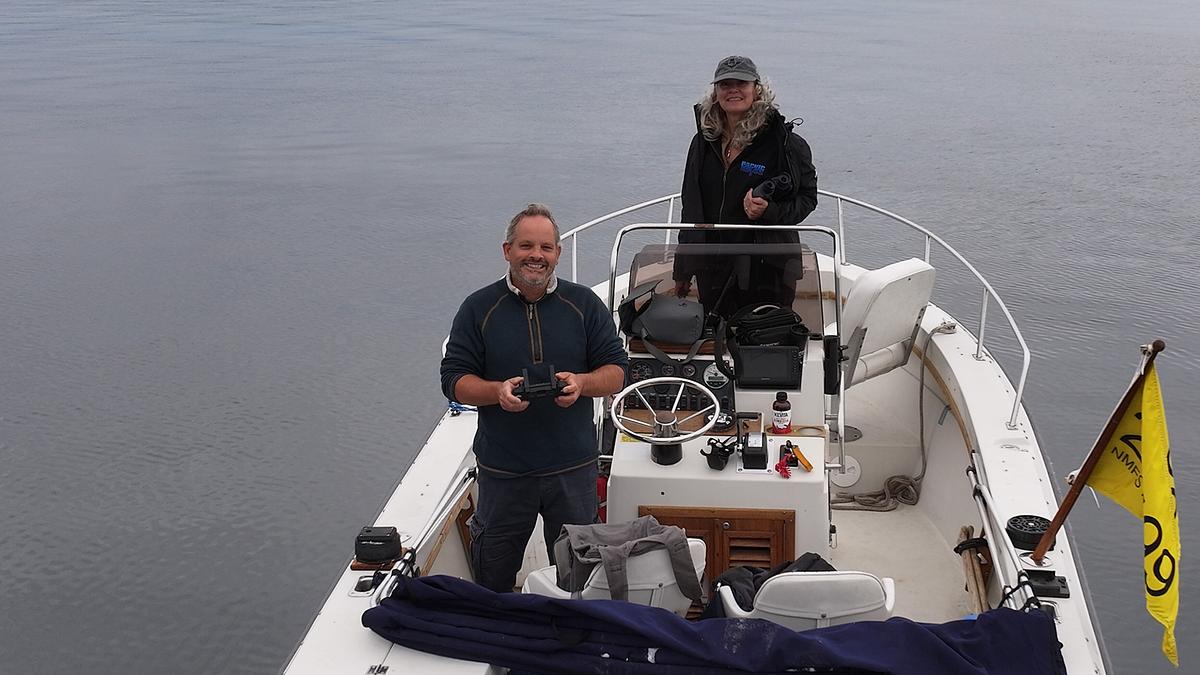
(904,545)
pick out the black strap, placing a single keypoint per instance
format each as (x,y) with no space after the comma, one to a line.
(968,544)
(719,351)
(626,311)
(1010,591)
(666,358)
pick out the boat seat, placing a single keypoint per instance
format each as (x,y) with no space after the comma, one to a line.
(804,600)
(882,316)
(651,580)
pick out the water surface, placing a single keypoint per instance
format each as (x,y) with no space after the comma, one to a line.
(232,235)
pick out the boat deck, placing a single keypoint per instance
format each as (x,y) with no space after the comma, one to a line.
(903,544)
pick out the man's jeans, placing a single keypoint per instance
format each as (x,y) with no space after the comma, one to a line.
(507,511)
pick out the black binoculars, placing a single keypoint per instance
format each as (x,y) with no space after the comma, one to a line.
(774,188)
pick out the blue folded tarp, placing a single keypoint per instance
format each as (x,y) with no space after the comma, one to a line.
(451,617)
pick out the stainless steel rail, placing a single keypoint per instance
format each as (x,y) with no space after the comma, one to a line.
(407,564)
(1011,572)
(574,233)
(1008,566)
(837,289)
(841,200)
(988,290)
(670,227)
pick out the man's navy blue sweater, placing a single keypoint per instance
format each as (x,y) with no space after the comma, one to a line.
(495,334)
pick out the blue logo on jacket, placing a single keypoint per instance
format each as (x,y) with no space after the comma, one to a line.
(753,169)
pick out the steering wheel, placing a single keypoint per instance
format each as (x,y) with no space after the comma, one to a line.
(665,428)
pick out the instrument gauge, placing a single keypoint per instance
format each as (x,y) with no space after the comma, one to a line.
(688,370)
(714,378)
(640,371)
(668,370)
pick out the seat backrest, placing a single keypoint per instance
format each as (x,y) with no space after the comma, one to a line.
(881,317)
(651,579)
(803,600)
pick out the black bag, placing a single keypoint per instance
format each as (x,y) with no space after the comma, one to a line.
(744,581)
(767,345)
(662,319)
(377,545)
(767,325)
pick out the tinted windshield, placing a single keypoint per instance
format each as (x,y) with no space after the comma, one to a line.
(725,274)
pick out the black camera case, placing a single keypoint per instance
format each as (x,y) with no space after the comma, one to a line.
(377,545)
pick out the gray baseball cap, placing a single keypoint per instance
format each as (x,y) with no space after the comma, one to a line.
(736,68)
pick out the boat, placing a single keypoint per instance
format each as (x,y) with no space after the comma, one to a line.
(913,467)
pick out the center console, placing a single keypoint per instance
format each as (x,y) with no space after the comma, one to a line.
(638,484)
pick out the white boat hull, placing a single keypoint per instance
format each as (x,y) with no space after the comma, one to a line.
(966,401)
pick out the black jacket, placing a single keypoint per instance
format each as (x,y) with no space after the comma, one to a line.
(713,194)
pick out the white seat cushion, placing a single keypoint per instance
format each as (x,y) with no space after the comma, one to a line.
(803,600)
(882,314)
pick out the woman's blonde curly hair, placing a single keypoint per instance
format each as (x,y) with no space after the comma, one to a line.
(712,118)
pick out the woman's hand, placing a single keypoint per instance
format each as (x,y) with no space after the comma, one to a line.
(754,206)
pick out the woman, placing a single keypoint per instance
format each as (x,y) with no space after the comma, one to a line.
(741,141)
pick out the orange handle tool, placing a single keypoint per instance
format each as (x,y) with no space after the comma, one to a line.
(802,459)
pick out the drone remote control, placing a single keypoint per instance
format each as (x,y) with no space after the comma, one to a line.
(528,391)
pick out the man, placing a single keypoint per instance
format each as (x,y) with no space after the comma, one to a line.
(536,456)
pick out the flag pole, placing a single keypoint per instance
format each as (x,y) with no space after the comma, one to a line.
(1148,353)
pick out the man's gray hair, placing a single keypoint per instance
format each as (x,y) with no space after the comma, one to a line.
(534,209)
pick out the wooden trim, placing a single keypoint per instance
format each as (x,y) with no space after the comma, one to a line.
(641,414)
(958,417)
(444,532)
(464,529)
(973,572)
(768,530)
(803,431)
(369,567)
(786,515)
(636,345)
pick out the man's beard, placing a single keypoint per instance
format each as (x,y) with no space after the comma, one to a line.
(535,283)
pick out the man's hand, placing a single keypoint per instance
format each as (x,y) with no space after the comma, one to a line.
(509,401)
(682,288)
(572,387)
(754,206)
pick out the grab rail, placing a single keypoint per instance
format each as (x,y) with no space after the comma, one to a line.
(989,292)
(573,234)
(1018,580)
(407,565)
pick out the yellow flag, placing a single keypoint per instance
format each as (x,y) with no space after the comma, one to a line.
(1135,471)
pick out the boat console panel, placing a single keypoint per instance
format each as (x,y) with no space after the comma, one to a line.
(702,371)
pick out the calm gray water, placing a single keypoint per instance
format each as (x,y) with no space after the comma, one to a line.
(232,235)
